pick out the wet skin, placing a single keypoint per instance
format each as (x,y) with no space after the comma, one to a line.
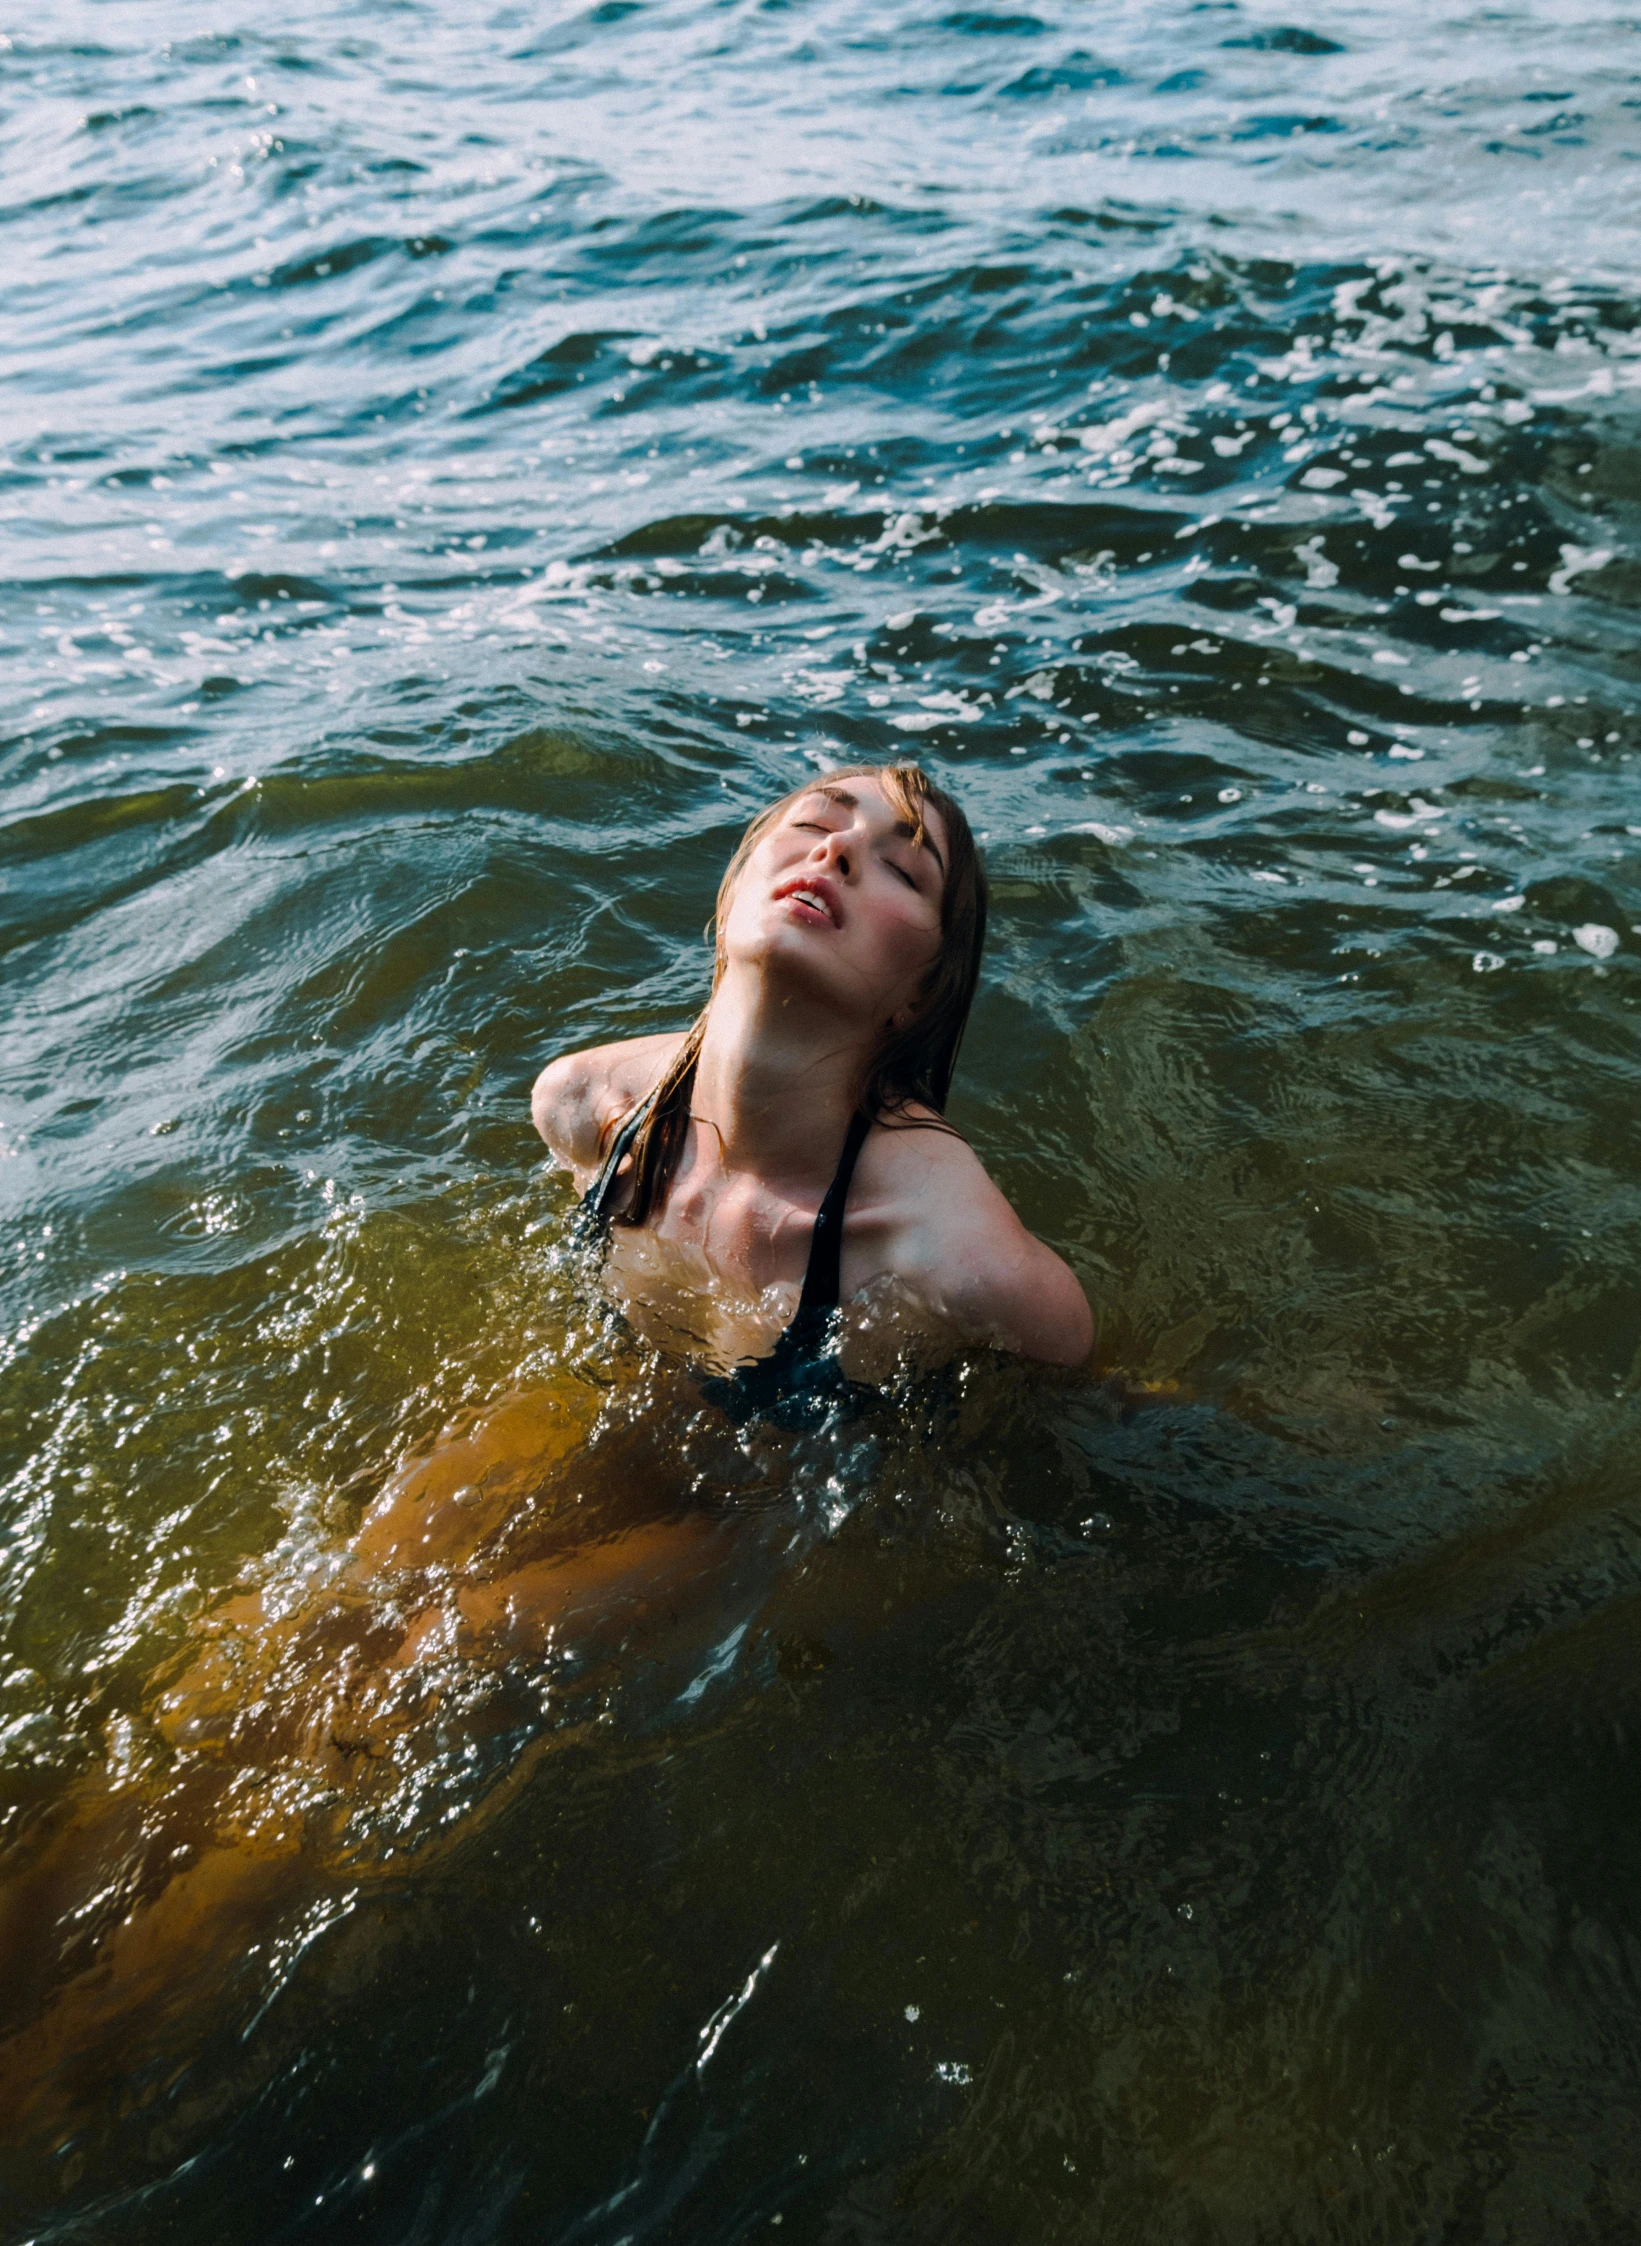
(829,936)
(281,1718)
(118,1920)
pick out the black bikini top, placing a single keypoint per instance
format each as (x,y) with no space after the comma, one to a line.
(800,1381)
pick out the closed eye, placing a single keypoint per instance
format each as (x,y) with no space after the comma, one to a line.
(909,879)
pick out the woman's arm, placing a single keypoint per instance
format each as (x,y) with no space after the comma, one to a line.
(1001,1285)
(953,1239)
(577,1097)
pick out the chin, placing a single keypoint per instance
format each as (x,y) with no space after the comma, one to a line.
(799,958)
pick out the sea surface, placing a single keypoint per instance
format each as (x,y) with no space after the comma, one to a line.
(458,463)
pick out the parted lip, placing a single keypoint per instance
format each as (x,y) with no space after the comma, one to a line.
(817,886)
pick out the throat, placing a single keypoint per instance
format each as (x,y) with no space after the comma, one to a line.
(775,1085)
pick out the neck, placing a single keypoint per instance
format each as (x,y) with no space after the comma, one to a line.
(777,1080)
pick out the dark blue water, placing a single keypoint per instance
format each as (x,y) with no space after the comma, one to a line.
(459,464)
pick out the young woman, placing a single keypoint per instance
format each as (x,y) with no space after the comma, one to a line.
(783,1160)
(787,1156)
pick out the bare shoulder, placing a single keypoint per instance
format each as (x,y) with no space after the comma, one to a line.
(577,1097)
(954,1237)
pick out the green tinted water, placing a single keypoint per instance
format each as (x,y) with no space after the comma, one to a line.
(454,481)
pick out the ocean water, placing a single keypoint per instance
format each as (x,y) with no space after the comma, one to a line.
(458,463)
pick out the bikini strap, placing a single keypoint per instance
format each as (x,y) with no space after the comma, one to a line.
(823,1279)
(595,1202)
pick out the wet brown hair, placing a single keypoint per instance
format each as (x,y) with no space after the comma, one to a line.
(913,1064)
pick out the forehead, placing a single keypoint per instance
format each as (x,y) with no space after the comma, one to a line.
(861,794)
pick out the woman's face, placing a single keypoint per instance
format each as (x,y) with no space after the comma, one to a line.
(839,899)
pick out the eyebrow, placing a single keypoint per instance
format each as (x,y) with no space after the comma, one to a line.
(928,842)
(902,826)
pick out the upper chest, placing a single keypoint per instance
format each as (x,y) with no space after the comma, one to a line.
(719,1269)
(739,1234)
(752,1235)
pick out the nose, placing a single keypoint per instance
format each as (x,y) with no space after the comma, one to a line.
(834,852)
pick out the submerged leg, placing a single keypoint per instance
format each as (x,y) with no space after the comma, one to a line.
(580,1599)
(157,1974)
(437,1510)
(283,1721)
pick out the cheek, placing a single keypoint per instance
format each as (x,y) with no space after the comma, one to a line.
(748,894)
(774,857)
(909,940)
(736,912)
